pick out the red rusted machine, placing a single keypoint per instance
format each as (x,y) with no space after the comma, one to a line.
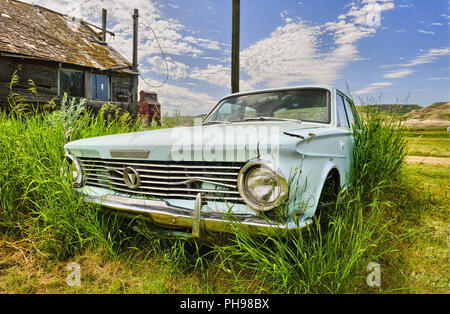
(149,108)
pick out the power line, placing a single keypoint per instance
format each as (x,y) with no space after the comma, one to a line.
(117,46)
(164,57)
(78,6)
(157,41)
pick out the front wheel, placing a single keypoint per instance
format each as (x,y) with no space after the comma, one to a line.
(327,200)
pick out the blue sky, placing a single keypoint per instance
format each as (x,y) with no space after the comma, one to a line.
(393,49)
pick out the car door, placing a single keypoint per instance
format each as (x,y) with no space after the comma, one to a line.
(346,138)
(353,119)
(351,113)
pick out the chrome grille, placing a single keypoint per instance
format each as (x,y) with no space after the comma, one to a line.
(166,179)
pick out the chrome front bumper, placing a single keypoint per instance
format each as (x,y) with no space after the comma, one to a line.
(163,214)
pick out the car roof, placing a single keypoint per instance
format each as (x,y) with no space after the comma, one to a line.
(331,89)
(279,89)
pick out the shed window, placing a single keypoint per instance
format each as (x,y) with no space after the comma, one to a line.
(71,82)
(100,87)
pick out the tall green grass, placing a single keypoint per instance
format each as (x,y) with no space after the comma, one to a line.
(36,201)
(332,259)
(380,150)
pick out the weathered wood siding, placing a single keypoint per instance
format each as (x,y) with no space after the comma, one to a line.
(121,83)
(45,78)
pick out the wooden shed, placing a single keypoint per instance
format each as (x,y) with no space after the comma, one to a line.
(61,54)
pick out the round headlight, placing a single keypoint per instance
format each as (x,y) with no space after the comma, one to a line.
(74,170)
(261,186)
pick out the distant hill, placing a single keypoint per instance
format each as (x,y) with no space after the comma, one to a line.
(436,115)
(399,109)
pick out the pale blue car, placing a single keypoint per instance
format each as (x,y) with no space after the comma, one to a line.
(259,159)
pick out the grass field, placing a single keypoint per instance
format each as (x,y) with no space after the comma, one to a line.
(428,147)
(434,143)
(421,263)
(418,262)
(393,214)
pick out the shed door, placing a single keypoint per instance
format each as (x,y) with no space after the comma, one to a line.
(100,87)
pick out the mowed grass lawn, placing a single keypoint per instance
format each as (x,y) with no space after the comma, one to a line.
(428,143)
(419,263)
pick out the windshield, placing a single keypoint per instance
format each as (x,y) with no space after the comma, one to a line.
(301,104)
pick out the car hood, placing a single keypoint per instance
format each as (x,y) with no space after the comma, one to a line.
(219,142)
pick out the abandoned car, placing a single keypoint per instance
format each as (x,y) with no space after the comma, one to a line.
(260,159)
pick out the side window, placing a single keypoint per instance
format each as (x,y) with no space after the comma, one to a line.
(229,111)
(341,115)
(71,82)
(356,115)
(250,113)
(350,113)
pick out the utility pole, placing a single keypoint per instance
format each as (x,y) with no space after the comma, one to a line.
(235,47)
(104,25)
(134,95)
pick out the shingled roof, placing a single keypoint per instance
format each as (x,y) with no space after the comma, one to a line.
(37,32)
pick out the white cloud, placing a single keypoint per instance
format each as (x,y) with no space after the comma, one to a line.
(284,13)
(369,14)
(443,78)
(425,32)
(214,74)
(289,54)
(177,70)
(171,34)
(292,52)
(404,69)
(212,58)
(398,73)
(174,38)
(437,24)
(372,87)
(349,33)
(204,43)
(174,97)
(186,100)
(219,75)
(428,57)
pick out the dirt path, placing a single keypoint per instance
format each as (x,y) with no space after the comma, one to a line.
(428,160)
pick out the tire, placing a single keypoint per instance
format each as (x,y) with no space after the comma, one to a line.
(328,199)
